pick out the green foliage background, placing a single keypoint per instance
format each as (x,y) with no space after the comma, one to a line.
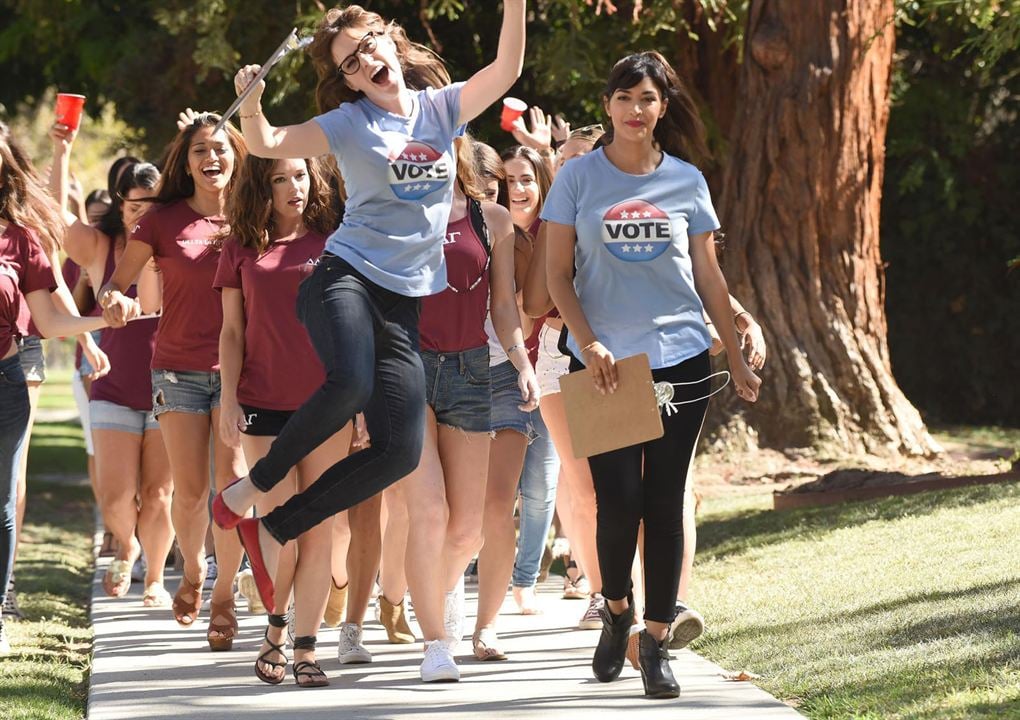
(951,177)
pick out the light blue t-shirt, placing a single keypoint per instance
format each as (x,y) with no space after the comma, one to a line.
(634,275)
(399,173)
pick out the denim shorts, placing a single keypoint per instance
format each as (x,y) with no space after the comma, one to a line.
(457,388)
(186,391)
(552,364)
(32,358)
(506,396)
(105,415)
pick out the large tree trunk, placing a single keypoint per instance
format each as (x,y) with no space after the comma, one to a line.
(800,205)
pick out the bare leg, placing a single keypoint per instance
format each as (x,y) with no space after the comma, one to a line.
(34,392)
(496,559)
(392,577)
(363,556)
(119,456)
(465,460)
(340,543)
(229,465)
(428,514)
(155,531)
(577,478)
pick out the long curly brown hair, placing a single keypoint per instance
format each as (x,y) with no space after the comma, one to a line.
(249,208)
(176,184)
(467,168)
(422,67)
(24,199)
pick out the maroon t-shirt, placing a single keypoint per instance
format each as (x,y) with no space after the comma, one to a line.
(281,368)
(454,320)
(129,382)
(188,334)
(24,268)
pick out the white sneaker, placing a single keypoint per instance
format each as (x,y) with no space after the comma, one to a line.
(138,570)
(591,620)
(211,572)
(249,592)
(453,615)
(687,626)
(438,665)
(349,650)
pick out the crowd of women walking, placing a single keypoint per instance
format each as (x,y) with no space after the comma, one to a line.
(362,321)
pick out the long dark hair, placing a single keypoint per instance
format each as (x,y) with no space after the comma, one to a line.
(249,208)
(422,67)
(177,184)
(680,132)
(24,199)
(116,170)
(135,175)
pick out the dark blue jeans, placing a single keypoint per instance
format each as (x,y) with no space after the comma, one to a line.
(13,431)
(367,339)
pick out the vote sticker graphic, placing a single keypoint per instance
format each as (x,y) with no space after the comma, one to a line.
(418,170)
(636,231)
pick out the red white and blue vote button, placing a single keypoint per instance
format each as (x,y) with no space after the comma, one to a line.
(636,231)
(418,170)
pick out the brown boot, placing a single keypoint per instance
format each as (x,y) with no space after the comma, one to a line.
(336,605)
(394,619)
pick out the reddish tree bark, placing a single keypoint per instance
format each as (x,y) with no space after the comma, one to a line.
(800,203)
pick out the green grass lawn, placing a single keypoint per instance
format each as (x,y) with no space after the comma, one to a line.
(56,391)
(902,608)
(46,677)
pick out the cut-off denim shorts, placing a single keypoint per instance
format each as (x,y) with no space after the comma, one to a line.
(105,415)
(457,388)
(32,358)
(506,397)
(186,391)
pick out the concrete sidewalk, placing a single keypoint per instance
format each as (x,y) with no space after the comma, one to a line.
(146,666)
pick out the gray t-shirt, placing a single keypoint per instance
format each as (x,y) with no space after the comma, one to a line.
(399,174)
(634,275)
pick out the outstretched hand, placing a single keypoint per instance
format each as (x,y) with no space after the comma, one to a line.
(186,118)
(540,136)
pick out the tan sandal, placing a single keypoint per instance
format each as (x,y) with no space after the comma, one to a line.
(227,630)
(186,611)
(156,596)
(117,580)
(483,642)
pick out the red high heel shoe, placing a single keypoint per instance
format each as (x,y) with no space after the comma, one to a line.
(223,516)
(248,531)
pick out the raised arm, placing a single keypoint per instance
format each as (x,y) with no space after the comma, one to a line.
(81,241)
(711,287)
(491,82)
(264,140)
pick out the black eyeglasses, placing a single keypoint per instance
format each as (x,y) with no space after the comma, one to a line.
(352,63)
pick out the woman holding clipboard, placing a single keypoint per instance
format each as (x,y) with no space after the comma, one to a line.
(637,222)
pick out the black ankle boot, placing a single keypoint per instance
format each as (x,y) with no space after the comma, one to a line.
(611,651)
(656,674)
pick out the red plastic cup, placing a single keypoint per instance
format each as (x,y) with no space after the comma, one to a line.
(512,109)
(69,107)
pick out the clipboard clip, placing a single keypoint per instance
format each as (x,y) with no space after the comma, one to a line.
(664,392)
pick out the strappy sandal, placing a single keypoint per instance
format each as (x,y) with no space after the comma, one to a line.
(117,580)
(156,596)
(277,621)
(186,611)
(306,669)
(483,642)
(227,630)
(576,588)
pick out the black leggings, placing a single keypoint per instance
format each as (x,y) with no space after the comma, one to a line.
(367,339)
(626,496)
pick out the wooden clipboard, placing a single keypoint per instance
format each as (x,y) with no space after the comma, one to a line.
(599,423)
